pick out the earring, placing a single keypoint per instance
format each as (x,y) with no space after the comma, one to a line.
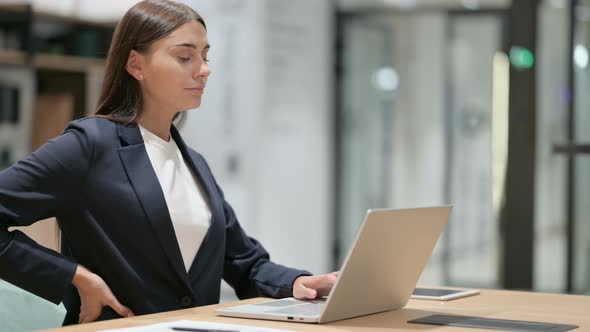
(141,76)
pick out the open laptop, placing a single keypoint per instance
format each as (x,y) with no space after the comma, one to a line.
(379,273)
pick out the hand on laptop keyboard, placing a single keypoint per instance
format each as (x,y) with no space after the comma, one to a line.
(311,287)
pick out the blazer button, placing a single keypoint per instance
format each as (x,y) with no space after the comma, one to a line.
(186,301)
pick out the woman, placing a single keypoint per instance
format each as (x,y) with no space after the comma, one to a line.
(145,227)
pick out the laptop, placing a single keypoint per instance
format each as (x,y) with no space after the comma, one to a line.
(379,273)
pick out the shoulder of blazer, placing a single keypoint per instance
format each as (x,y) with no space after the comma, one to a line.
(93,126)
(97,132)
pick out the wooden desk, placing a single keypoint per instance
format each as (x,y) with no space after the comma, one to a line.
(552,308)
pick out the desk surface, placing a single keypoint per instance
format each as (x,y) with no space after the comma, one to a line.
(551,308)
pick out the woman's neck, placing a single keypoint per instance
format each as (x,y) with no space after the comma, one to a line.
(158,122)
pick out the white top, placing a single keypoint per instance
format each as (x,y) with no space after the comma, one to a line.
(185,198)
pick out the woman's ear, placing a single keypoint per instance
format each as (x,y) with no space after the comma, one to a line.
(135,65)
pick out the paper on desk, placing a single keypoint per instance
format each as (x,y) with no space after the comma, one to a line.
(197,325)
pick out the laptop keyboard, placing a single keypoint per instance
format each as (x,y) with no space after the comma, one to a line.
(280,303)
(307,309)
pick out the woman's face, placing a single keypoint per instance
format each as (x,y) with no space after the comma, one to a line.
(175,69)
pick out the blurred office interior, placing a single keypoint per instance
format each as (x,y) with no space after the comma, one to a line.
(319,110)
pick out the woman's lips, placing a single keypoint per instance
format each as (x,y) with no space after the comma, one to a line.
(196,90)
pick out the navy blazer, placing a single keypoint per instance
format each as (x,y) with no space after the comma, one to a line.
(97,180)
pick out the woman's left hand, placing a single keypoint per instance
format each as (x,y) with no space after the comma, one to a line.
(311,287)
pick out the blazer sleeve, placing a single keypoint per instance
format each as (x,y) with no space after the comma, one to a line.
(35,188)
(247,265)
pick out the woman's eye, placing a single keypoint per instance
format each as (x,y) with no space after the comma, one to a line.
(183,59)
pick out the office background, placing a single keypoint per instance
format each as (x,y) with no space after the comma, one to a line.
(319,110)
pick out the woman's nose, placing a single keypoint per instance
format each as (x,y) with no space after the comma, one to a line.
(204,70)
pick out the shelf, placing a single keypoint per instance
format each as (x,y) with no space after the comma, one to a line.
(13,57)
(73,20)
(66,63)
(84,39)
(51,61)
(14,8)
(47,16)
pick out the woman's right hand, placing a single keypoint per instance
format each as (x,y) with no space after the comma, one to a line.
(94,295)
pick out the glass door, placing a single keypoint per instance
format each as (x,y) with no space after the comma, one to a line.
(580,151)
(415,129)
(367,85)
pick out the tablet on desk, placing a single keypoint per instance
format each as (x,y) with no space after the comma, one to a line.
(442,294)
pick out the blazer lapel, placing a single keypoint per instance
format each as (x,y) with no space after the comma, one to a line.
(200,170)
(149,192)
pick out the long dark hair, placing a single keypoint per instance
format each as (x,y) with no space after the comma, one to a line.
(143,24)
